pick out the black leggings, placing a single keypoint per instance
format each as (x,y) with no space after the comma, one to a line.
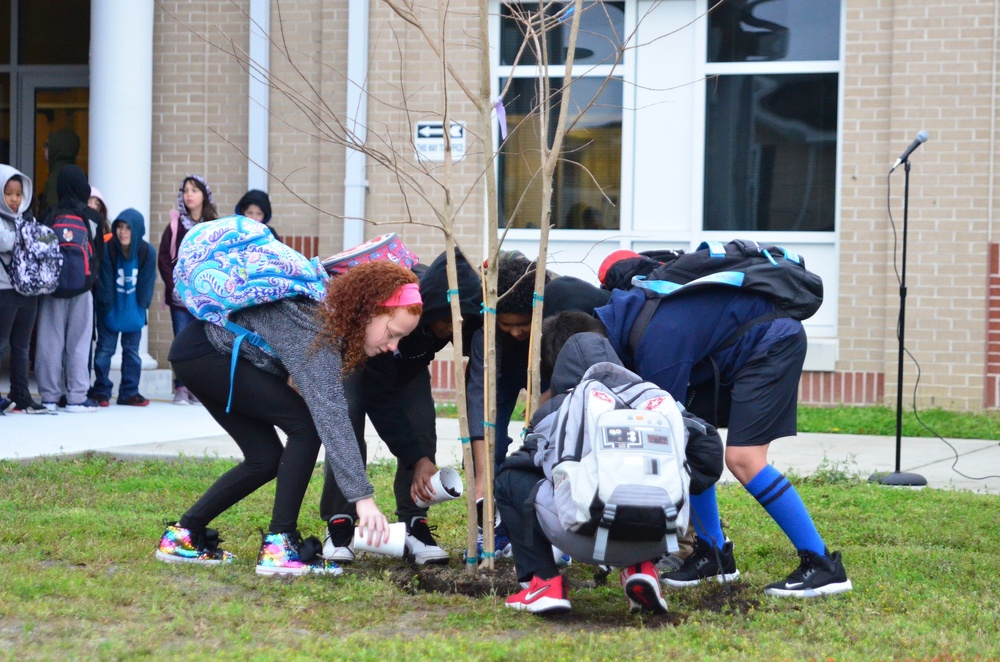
(261,402)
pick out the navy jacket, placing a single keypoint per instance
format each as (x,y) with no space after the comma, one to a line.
(125,285)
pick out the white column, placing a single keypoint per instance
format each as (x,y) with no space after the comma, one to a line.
(258,120)
(121,110)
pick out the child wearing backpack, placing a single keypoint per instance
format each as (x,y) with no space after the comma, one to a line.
(66,317)
(526,477)
(124,292)
(734,359)
(316,342)
(17,310)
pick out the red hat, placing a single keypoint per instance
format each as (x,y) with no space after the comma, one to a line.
(610,260)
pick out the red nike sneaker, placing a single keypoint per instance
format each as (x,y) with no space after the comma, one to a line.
(543,596)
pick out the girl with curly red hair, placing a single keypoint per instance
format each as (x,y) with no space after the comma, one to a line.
(366,312)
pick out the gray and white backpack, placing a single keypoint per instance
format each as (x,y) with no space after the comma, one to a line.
(615,457)
(36,259)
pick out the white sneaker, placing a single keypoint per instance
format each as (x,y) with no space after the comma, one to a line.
(339,543)
(86,407)
(51,406)
(420,544)
(181,396)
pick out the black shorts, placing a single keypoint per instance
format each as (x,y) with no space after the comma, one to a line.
(765,394)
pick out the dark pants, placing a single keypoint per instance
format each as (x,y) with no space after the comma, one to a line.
(512,488)
(178,320)
(107,342)
(387,406)
(17,320)
(261,402)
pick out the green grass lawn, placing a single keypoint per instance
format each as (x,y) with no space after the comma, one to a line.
(78,579)
(869,420)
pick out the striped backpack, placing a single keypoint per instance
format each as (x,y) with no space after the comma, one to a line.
(234,263)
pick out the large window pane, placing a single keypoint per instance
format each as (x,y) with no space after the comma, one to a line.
(587,181)
(765,30)
(602,27)
(5,31)
(4,118)
(53,31)
(771,152)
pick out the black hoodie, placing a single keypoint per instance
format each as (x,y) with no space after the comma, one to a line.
(74,192)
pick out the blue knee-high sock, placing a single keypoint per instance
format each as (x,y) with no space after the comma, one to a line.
(706,517)
(773,491)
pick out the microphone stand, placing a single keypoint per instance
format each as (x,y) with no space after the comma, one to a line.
(900,478)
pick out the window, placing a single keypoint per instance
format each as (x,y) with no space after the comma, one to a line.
(587,180)
(771,115)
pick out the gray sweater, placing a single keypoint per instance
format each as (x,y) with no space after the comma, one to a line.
(291,328)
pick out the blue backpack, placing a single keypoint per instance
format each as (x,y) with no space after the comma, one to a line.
(234,263)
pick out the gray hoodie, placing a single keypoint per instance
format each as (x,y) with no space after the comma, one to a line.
(9,218)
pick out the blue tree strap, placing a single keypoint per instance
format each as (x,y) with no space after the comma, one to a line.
(449,293)
(535,296)
(488,555)
(489,425)
(471,560)
(465,440)
(484,309)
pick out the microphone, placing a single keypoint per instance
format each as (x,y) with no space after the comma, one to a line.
(917,142)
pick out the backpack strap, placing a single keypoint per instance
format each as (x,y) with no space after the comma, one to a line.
(642,321)
(241,335)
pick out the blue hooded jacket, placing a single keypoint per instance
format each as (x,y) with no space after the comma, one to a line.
(688,328)
(125,287)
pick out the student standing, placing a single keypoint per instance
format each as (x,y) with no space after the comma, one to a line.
(17,312)
(66,317)
(195,204)
(124,293)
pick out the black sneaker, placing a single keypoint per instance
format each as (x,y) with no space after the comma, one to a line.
(339,543)
(816,575)
(704,563)
(421,547)
(29,406)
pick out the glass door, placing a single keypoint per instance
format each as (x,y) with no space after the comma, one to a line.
(49,103)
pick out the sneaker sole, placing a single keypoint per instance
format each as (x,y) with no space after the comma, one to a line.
(80,410)
(435,558)
(722,579)
(542,606)
(173,558)
(828,589)
(644,597)
(268,571)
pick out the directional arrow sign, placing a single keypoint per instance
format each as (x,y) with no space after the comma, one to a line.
(428,138)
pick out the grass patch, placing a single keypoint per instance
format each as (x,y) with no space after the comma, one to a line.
(865,420)
(79,580)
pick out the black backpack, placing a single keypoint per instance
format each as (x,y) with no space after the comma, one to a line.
(80,260)
(771,271)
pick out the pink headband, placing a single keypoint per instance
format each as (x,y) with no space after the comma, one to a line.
(406,295)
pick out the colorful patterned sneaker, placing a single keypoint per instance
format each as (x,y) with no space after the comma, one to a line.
(87,406)
(339,543)
(816,575)
(179,546)
(642,588)
(280,555)
(421,547)
(704,563)
(542,596)
(133,400)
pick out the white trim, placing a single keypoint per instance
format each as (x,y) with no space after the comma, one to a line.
(259,91)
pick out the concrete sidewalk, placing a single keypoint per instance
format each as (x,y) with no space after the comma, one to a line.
(166,430)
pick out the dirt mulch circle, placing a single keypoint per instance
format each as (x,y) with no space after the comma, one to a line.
(735,598)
